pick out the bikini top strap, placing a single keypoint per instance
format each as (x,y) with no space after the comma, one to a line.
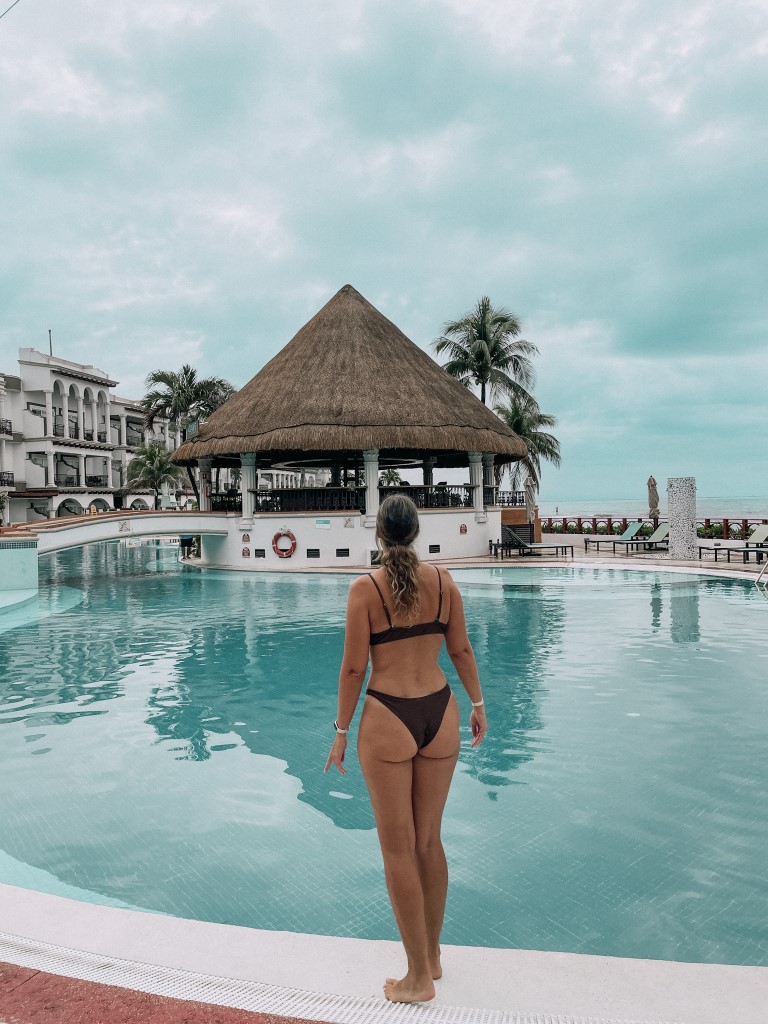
(440,602)
(383,602)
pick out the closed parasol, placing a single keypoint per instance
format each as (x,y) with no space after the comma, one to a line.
(530,499)
(653,499)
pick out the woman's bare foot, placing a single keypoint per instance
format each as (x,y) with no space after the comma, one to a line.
(435,965)
(409,990)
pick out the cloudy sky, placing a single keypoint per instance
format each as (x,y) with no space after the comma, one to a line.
(186,181)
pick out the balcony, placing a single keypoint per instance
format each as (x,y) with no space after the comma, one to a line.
(133,440)
(96,481)
(6,479)
(101,437)
(87,435)
(434,496)
(6,427)
(506,499)
(74,432)
(58,430)
(67,480)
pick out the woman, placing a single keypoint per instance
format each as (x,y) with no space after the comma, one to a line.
(408,739)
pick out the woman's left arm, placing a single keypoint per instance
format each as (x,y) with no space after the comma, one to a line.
(354,665)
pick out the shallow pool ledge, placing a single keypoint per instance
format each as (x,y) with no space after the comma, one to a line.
(254,969)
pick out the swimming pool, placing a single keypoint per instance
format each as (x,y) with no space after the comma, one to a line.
(164,732)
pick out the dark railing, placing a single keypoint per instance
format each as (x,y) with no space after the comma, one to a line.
(6,427)
(6,479)
(67,480)
(310,499)
(434,496)
(507,498)
(88,435)
(133,440)
(101,437)
(95,481)
(226,503)
(709,528)
(74,432)
(58,430)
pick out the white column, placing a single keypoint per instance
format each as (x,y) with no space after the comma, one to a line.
(371,463)
(51,468)
(166,435)
(49,413)
(476,479)
(81,469)
(81,417)
(248,483)
(488,460)
(681,512)
(65,412)
(108,424)
(122,428)
(204,465)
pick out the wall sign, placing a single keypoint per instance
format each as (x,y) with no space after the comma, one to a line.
(246,552)
(463,528)
(322,524)
(349,523)
(246,538)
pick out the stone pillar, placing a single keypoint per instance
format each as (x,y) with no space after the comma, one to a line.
(476,479)
(51,468)
(49,414)
(204,465)
(122,428)
(108,421)
(371,464)
(65,412)
(488,480)
(681,511)
(427,470)
(80,417)
(249,481)
(166,434)
(81,470)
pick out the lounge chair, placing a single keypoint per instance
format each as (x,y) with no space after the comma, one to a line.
(660,536)
(757,542)
(629,534)
(511,542)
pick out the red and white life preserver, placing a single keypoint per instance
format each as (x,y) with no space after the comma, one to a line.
(283,552)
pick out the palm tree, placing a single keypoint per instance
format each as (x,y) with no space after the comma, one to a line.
(526,419)
(484,349)
(182,398)
(151,466)
(390,477)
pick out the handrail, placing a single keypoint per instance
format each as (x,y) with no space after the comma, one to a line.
(760,576)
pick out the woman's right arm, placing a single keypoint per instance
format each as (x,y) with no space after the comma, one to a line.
(463,658)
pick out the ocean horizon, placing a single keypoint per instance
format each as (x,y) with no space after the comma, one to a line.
(706,507)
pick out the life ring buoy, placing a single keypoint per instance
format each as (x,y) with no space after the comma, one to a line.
(283,552)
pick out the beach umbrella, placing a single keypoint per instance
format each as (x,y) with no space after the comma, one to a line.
(530,499)
(653,499)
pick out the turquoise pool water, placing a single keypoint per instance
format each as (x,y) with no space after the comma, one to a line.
(163,733)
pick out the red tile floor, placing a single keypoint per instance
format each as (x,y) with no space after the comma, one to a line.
(33,997)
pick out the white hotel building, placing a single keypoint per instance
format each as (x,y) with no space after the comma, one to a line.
(66,440)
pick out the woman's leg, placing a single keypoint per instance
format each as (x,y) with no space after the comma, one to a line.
(432,773)
(386,749)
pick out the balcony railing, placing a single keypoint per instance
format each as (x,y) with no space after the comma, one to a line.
(310,499)
(6,479)
(134,440)
(67,480)
(6,427)
(58,430)
(492,496)
(101,437)
(434,496)
(74,432)
(88,435)
(96,481)
(227,503)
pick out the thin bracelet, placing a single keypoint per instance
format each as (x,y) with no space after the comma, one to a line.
(477,703)
(341,732)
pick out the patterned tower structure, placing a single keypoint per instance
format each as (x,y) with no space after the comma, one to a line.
(681,509)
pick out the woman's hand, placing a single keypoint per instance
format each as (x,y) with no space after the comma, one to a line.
(478,724)
(336,756)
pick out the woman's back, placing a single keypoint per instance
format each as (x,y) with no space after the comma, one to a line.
(404,652)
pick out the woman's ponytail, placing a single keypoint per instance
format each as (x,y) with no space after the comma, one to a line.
(397,527)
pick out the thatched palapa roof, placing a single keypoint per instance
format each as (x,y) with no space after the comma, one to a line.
(348,381)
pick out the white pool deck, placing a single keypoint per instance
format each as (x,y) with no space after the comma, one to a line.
(339,979)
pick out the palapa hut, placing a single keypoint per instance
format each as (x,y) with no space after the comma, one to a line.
(351,394)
